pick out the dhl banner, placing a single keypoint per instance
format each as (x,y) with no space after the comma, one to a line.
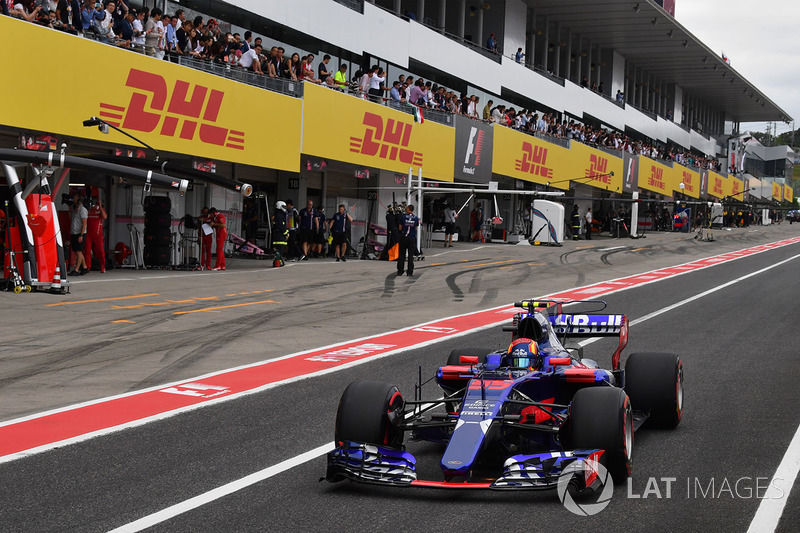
(353,130)
(171,108)
(656,177)
(529,158)
(777,191)
(734,187)
(788,194)
(717,185)
(596,167)
(689,178)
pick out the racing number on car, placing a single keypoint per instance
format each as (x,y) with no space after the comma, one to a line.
(491,384)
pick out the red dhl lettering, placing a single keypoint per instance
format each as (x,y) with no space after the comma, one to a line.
(717,187)
(598,169)
(153,104)
(687,181)
(534,161)
(656,178)
(389,141)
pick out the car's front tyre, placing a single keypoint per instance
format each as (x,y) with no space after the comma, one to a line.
(370,412)
(601,418)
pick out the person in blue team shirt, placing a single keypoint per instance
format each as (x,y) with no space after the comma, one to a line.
(408,241)
(339,224)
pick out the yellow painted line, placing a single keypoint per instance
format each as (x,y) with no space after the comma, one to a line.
(437,264)
(156,304)
(535,264)
(584,247)
(489,264)
(206,298)
(123,322)
(503,268)
(215,309)
(189,301)
(234,294)
(103,299)
(638,249)
(127,306)
(244,293)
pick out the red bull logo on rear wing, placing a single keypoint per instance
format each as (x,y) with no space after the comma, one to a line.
(594,326)
(587,325)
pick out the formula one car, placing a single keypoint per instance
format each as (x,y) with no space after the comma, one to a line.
(515,419)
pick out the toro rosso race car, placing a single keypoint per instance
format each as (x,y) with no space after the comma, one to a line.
(518,418)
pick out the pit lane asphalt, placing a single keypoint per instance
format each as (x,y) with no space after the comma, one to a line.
(739,352)
(127,330)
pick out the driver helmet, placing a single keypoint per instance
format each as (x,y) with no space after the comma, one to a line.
(524,353)
(280,204)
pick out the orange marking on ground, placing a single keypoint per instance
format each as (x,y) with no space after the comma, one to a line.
(489,264)
(215,309)
(103,299)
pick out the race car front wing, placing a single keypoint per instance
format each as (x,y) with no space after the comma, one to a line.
(368,463)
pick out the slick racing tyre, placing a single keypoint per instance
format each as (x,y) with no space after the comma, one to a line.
(600,418)
(157,204)
(654,382)
(370,412)
(455,356)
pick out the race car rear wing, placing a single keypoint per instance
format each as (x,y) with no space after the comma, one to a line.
(586,324)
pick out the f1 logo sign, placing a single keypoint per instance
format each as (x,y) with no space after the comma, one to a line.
(474,146)
(190,117)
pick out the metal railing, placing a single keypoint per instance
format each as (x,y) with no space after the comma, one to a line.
(434,115)
(236,73)
(355,5)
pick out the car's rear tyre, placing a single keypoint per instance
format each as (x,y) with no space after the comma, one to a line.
(601,418)
(370,412)
(455,356)
(654,382)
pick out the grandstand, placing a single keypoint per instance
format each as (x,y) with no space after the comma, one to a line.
(603,100)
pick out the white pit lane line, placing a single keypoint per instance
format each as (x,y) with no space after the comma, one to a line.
(766,518)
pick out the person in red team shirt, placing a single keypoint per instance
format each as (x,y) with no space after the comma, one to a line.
(94,242)
(205,240)
(220,226)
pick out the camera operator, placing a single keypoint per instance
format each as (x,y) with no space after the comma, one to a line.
(78,220)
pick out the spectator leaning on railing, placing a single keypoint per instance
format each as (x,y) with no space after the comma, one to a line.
(249,60)
(170,36)
(340,78)
(151,32)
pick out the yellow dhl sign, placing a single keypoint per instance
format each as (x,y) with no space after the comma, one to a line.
(171,108)
(717,185)
(656,177)
(690,180)
(777,191)
(525,157)
(353,130)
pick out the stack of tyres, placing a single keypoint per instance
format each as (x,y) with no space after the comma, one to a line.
(157,231)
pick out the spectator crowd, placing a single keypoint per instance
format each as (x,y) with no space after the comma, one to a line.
(158,35)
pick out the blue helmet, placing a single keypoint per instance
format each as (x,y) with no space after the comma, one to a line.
(524,353)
